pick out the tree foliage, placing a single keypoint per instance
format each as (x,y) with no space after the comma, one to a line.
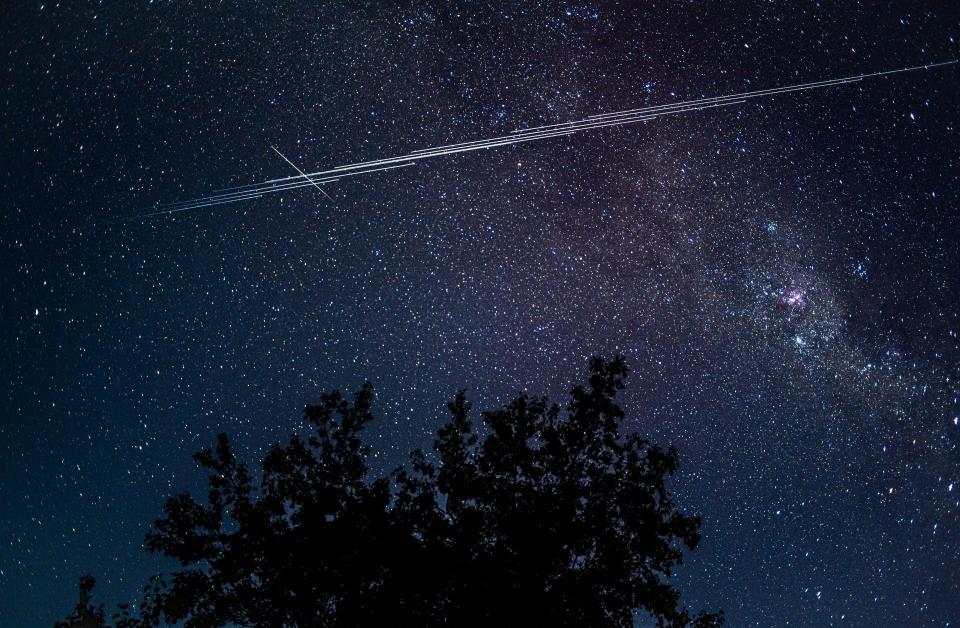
(538,517)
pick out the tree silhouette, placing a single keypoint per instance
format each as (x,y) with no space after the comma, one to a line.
(85,614)
(544,518)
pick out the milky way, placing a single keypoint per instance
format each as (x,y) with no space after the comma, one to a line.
(781,274)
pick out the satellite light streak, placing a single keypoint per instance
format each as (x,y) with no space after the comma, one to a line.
(302,173)
(517,136)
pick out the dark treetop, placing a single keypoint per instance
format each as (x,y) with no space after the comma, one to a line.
(548,518)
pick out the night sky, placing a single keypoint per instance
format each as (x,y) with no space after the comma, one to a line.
(782,275)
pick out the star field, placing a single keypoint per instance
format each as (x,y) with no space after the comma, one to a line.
(782,275)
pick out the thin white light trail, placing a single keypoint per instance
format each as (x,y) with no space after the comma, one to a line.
(802,86)
(302,173)
(518,136)
(245,194)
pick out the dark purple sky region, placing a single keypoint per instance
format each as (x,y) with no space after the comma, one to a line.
(781,274)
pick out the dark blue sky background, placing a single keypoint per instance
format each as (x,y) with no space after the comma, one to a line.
(782,275)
